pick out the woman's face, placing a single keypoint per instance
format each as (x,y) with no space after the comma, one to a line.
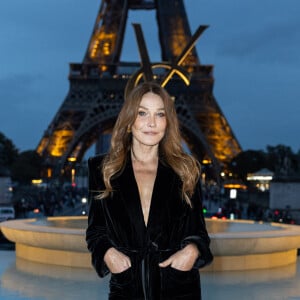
(150,124)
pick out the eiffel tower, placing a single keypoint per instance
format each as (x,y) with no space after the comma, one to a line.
(97,88)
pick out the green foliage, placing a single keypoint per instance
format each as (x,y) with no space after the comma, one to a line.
(280,159)
(23,166)
(283,161)
(8,152)
(248,162)
(27,167)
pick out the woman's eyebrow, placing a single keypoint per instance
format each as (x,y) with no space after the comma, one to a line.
(141,106)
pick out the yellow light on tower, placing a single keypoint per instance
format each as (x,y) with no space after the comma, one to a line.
(73,177)
(49,172)
(72,159)
(206,161)
(36,181)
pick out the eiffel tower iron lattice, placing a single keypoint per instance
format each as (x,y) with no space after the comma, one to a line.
(97,87)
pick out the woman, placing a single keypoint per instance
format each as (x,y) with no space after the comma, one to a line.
(145,224)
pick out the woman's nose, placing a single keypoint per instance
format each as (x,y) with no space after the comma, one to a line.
(151,121)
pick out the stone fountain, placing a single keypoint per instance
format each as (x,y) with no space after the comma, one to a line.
(236,244)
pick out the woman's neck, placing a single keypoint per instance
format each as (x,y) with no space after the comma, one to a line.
(144,155)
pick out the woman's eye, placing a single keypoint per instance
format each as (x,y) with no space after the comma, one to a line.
(161,114)
(142,113)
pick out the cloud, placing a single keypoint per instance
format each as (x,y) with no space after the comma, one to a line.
(273,43)
(24,113)
(18,91)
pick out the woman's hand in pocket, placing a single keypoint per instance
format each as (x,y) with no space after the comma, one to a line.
(116,261)
(183,259)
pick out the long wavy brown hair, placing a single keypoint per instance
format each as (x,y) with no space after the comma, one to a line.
(170,148)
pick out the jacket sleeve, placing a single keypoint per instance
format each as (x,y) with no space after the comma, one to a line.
(195,231)
(96,234)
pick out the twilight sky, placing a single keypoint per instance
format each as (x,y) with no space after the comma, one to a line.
(254,46)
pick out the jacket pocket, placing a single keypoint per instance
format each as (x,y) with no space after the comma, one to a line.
(121,279)
(177,283)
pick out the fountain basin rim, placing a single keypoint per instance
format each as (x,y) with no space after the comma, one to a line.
(278,230)
(42,239)
(32,225)
(36,225)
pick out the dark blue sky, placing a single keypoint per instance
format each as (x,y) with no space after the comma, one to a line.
(254,46)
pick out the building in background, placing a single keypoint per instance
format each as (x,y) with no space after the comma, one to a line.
(261,179)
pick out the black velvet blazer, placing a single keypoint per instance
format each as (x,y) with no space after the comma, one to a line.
(117,221)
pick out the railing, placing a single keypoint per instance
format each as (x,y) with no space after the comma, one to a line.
(125,69)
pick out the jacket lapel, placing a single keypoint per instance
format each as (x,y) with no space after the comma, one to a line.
(162,191)
(130,196)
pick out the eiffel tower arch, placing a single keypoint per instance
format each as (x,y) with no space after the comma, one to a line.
(97,88)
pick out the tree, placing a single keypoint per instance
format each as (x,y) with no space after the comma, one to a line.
(26,167)
(282,161)
(248,161)
(8,152)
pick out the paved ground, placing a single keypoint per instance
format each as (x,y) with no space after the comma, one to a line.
(23,280)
